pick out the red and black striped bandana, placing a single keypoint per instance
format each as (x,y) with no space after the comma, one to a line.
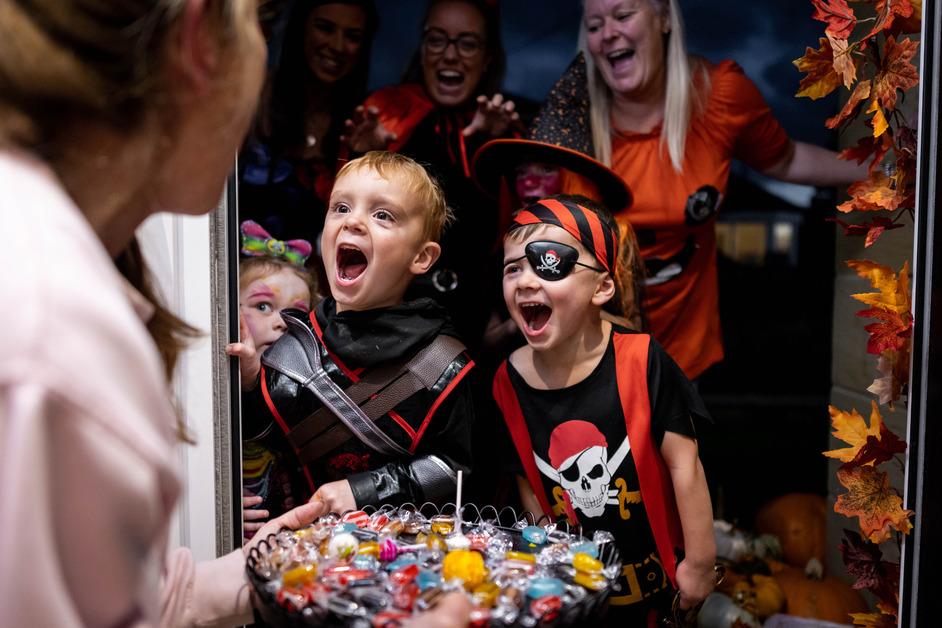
(580,222)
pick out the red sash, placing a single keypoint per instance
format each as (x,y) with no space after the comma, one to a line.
(657,492)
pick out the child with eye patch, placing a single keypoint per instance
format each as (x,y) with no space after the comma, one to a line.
(600,416)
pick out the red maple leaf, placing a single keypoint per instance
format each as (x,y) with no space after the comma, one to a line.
(896,72)
(911,24)
(839,17)
(865,562)
(867,147)
(887,10)
(879,225)
(889,334)
(872,229)
(877,450)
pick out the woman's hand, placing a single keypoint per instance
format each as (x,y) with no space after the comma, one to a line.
(250,362)
(364,132)
(695,582)
(337,496)
(252,518)
(292,520)
(493,117)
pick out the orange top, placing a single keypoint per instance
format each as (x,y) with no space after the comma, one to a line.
(674,212)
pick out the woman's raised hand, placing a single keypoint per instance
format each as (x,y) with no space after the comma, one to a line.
(493,117)
(364,132)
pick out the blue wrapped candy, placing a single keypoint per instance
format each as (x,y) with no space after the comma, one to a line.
(534,534)
(541,587)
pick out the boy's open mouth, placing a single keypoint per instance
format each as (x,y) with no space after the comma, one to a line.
(535,315)
(351,262)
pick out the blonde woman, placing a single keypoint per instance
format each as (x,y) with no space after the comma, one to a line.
(670,124)
(109,112)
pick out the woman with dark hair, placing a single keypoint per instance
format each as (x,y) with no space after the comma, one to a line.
(321,76)
(448,106)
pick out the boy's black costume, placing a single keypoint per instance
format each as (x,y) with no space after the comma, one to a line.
(407,431)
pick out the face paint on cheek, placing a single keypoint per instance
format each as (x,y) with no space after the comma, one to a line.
(535,181)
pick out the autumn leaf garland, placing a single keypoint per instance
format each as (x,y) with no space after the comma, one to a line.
(877,70)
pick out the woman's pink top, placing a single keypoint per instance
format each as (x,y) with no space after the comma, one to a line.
(87,446)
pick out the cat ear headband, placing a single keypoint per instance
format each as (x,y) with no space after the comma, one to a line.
(256,242)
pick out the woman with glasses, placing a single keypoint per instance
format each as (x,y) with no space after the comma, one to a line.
(448,106)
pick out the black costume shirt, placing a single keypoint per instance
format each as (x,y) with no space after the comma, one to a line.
(581,447)
(434,422)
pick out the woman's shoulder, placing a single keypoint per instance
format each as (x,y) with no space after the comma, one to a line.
(70,325)
(726,81)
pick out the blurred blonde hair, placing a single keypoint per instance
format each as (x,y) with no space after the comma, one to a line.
(415,179)
(63,62)
(686,79)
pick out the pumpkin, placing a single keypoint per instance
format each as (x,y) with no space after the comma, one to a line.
(798,520)
(826,598)
(760,595)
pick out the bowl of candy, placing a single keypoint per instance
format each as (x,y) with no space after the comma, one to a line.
(380,567)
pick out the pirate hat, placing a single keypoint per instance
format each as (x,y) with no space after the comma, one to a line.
(560,135)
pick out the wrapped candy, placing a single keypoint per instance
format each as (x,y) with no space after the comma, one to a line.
(379,568)
(343,546)
(466,566)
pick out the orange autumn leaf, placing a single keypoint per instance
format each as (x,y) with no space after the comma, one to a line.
(896,72)
(853,430)
(880,125)
(894,289)
(819,65)
(878,508)
(875,194)
(890,608)
(860,94)
(873,620)
(887,11)
(844,63)
(840,18)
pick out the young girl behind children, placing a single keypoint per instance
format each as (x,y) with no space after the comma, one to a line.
(600,416)
(267,285)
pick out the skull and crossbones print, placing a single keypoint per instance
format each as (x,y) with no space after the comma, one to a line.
(549,261)
(580,463)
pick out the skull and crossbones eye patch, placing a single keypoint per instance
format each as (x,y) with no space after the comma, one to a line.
(552,261)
